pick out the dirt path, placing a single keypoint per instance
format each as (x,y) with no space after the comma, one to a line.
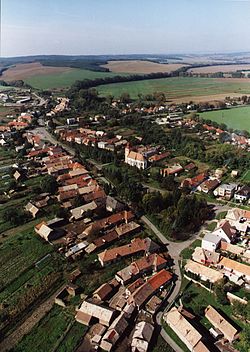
(12,340)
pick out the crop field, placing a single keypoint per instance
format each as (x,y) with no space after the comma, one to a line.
(236,118)
(181,89)
(19,253)
(47,77)
(140,66)
(46,334)
(220,68)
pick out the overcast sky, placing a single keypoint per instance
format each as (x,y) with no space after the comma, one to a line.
(31,27)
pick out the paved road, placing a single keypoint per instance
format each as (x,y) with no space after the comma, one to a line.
(174,249)
(45,135)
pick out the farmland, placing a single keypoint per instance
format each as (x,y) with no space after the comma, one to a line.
(46,335)
(183,89)
(140,66)
(46,77)
(236,118)
(220,68)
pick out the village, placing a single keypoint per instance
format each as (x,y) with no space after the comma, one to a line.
(121,277)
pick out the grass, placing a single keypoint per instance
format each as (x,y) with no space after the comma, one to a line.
(161,345)
(187,252)
(72,338)
(177,87)
(246,176)
(236,118)
(65,79)
(19,253)
(211,226)
(201,298)
(221,215)
(174,337)
(45,335)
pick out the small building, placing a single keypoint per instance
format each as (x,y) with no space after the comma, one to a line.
(208,186)
(114,333)
(185,331)
(206,257)
(220,323)
(142,336)
(226,190)
(210,242)
(203,272)
(225,231)
(242,195)
(89,310)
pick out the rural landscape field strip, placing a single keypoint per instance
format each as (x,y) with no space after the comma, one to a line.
(177,87)
(236,118)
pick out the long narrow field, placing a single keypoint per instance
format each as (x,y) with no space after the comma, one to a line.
(236,118)
(140,66)
(64,79)
(187,88)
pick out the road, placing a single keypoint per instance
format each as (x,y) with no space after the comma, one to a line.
(45,135)
(174,250)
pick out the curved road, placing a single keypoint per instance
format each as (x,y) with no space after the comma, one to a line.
(174,249)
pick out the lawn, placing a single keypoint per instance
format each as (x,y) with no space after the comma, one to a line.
(236,118)
(187,252)
(177,87)
(211,226)
(221,215)
(199,298)
(45,335)
(65,79)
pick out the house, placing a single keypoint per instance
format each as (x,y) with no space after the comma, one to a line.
(153,262)
(142,336)
(242,195)
(225,231)
(233,269)
(103,292)
(79,212)
(185,331)
(136,246)
(190,167)
(135,158)
(32,209)
(203,272)
(226,190)
(114,333)
(48,231)
(220,323)
(210,242)
(205,257)
(89,310)
(153,305)
(194,182)
(172,170)
(208,185)
(144,291)
(113,204)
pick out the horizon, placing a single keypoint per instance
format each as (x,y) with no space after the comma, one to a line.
(94,28)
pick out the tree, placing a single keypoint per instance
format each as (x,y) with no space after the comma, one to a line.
(220,293)
(48,184)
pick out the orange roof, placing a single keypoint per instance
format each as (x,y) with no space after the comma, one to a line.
(159,279)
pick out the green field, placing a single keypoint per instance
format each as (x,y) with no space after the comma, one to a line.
(177,87)
(65,79)
(246,176)
(236,118)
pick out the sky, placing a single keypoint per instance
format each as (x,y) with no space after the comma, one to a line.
(83,27)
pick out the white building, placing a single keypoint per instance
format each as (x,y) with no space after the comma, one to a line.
(135,159)
(210,242)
